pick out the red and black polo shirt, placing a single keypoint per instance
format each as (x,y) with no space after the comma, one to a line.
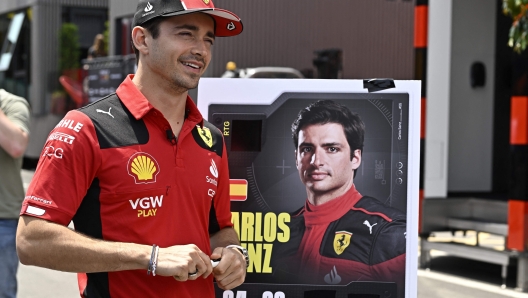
(113,168)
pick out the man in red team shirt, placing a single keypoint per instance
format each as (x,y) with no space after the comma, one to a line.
(141,174)
(339,236)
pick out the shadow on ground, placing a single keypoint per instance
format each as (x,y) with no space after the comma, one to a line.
(475,270)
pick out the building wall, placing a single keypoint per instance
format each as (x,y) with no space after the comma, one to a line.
(44,53)
(10,5)
(438,86)
(376,36)
(459,145)
(471,110)
(118,9)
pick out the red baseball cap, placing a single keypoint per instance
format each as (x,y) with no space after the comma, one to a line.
(226,22)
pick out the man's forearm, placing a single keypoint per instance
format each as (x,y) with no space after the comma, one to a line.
(224,237)
(12,139)
(49,245)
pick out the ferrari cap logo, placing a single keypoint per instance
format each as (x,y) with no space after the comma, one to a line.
(341,241)
(143,167)
(206,2)
(206,136)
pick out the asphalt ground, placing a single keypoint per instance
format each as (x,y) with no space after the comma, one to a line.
(447,277)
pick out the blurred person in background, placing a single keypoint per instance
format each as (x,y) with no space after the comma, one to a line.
(14,133)
(98,48)
(231,70)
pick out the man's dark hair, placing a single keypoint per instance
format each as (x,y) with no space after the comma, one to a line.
(152,27)
(327,111)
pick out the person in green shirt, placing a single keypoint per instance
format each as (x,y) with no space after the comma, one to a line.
(14,133)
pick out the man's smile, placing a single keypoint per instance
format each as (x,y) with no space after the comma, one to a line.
(318,175)
(193,65)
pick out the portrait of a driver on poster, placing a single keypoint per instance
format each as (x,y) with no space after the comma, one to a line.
(339,236)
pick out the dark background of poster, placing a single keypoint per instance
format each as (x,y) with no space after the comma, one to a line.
(261,150)
(273,180)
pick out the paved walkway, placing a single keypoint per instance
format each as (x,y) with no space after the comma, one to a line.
(35,282)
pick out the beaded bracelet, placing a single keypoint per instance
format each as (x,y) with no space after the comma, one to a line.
(153,260)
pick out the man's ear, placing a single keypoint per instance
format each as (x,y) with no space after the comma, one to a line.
(356,159)
(139,37)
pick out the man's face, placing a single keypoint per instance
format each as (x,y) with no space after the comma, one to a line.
(182,51)
(323,161)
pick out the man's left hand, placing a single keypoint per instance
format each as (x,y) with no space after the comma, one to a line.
(231,271)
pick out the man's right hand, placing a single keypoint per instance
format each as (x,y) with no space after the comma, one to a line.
(181,260)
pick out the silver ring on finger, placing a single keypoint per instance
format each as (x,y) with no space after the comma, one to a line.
(193,274)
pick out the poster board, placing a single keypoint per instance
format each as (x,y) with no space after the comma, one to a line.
(255,117)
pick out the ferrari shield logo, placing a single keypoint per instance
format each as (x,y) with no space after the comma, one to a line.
(206,2)
(341,241)
(206,136)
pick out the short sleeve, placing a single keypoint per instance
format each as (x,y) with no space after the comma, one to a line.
(17,111)
(67,167)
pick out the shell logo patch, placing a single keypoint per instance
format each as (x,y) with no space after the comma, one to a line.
(341,241)
(143,167)
(206,136)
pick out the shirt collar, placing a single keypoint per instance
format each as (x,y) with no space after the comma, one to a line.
(139,105)
(332,210)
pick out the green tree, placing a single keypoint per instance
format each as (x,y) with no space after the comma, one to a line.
(69,47)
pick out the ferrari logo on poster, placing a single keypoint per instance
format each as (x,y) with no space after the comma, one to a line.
(341,241)
(206,136)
